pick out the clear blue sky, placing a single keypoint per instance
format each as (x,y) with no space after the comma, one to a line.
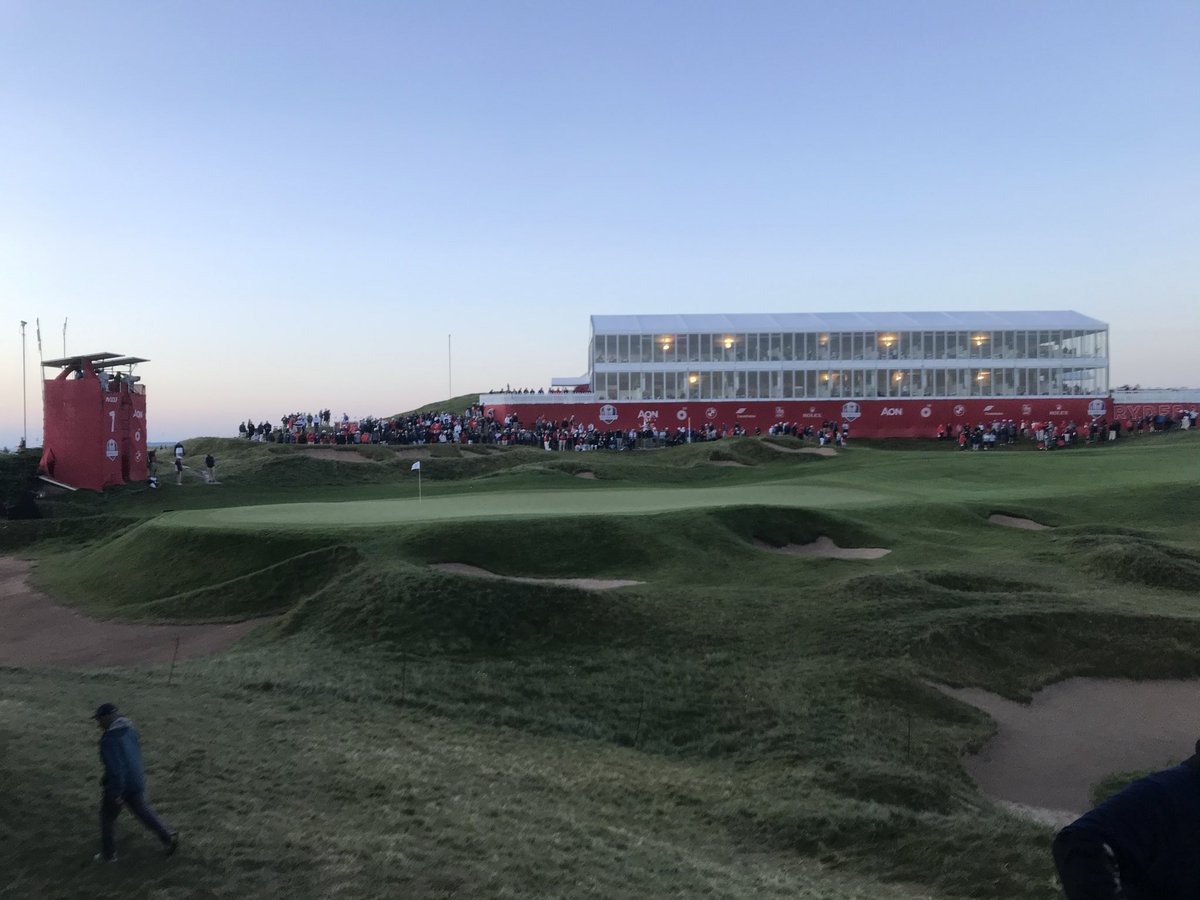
(290,205)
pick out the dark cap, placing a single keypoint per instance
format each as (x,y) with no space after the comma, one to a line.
(105,709)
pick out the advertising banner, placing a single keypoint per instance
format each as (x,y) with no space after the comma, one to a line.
(866,418)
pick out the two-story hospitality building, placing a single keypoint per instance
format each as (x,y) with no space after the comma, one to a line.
(886,374)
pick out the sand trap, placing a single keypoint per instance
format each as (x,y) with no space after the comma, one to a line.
(1016,522)
(591,584)
(346,456)
(591,475)
(812,451)
(1047,756)
(825,548)
(35,631)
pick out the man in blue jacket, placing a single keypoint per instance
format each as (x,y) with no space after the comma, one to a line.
(1141,843)
(124,783)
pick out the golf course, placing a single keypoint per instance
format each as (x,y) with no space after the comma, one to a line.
(738,668)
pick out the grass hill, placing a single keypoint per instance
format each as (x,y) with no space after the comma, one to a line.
(743,723)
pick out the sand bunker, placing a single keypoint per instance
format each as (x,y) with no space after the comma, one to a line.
(591,475)
(1047,756)
(591,584)
(35,631)
(345,456)
(825,548)
(811,451)
(1016,522)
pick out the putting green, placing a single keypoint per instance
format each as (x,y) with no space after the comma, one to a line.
(617,501)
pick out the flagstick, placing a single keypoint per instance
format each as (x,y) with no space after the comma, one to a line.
(418,485)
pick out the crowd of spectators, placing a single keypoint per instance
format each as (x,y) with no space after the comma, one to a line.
(473,426)
(1059,436)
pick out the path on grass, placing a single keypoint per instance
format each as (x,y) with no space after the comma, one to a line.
(590,584)
(1048,755)
(36,631)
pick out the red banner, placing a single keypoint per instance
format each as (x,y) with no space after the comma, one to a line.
(866,418)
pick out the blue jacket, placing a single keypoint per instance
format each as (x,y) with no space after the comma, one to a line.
(1153,827)
(122,757)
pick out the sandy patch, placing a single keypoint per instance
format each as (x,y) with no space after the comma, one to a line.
(811,451)
(1016,522)
(591,475)
(1048,755)
(825,548)
(413,452)
(36,631)
(591,584)
(345,456)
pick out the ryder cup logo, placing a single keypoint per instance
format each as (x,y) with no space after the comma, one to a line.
(710,413)
(926,412)
(1026,409)
(959,409)
(1097,408)
(110,449)
(608,414)
(851,411)
(681,414)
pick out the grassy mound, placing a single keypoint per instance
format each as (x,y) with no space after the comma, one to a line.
(402,607)
(145,571)
(1128,559)
(779,526)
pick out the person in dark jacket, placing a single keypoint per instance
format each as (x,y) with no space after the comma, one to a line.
(1140,844)
(124,783)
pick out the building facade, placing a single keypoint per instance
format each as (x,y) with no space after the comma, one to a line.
(890,373)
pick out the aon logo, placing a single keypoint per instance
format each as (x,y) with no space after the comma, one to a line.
(892,411)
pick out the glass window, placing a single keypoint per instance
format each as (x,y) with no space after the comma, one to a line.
(776,351)
(787,347)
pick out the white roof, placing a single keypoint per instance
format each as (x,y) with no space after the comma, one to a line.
(1014,320)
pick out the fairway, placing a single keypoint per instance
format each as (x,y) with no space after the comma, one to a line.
(597,502)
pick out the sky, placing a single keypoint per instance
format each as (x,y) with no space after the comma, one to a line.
(368,206)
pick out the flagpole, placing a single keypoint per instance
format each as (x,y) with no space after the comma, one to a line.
(24,402)
(418,485)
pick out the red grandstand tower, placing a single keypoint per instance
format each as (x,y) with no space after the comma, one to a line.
(94,421)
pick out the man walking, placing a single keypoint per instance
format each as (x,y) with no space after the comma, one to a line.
(210,463)
(1140,844)
(124,783)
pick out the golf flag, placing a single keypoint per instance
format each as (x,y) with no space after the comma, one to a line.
(415,467)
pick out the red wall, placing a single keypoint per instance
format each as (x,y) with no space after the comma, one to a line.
(93,438)
(867,418)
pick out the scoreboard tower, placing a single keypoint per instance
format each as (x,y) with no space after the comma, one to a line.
(94,421)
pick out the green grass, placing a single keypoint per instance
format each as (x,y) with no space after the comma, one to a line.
(743,724)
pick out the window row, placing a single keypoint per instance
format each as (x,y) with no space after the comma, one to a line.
(852,383)
(849,345)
